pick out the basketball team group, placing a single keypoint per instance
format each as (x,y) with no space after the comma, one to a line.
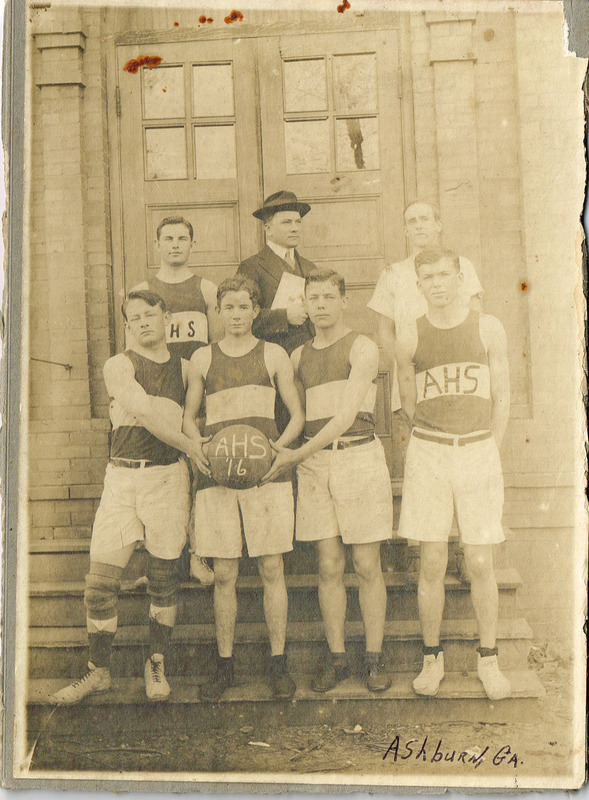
(243,421)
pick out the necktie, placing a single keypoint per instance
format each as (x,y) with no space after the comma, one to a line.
(290,260)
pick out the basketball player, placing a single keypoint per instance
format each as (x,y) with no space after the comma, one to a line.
(454,382)
(239,376)
(344,489)
(191,302)
(146,496)
(398,302)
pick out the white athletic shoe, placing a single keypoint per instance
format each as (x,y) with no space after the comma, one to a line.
(496,684)
(200,570)
(429,679)
(96,680)
(157,687)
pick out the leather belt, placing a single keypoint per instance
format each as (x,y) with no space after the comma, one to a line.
(453,441)
(132,463)
(343,444)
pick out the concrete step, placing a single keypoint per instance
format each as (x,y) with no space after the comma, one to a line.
(53,560)
(456,685)
(61,652)
(57,604)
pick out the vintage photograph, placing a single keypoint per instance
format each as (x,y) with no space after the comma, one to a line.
(299,501)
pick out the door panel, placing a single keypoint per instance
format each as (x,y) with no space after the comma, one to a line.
(189,146)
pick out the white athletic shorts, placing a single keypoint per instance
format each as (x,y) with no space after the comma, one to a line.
(150,504)
(345,493)
(440,478)
(267,513)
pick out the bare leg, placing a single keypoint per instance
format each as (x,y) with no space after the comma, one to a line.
(483,590)
(372,591)
(332,592)
(431,590)
(225,603)
(271,571)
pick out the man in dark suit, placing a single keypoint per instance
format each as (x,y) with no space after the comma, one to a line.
(279,272)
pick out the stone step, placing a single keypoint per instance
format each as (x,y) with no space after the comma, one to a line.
(456,685)
(58,604)
(61,652)
(53,560)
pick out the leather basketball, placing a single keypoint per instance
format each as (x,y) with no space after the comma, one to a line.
(239,456)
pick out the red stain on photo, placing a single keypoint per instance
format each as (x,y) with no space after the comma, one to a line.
(133,64)
(235,16)
(524,286)
(203,19)
(341,8)
(176,24)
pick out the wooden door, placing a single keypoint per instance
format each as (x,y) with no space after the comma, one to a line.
(189,146)
(331,132)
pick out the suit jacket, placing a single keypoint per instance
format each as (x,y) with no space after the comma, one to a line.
(265,269)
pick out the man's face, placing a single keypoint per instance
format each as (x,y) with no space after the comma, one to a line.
(422,229)
(174,245)
(237,313)
(439,283)
(324,304)
(145,323)
(284,228)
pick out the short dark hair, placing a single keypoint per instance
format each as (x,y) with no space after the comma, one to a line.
(238,283)
(326,275)
(151,298)
(175,221)
(433,206)
(431,255)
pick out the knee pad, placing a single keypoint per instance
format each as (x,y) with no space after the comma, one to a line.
(163,581)
(101,595)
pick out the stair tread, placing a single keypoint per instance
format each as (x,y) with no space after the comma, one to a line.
(127,691)
(247,632)
(507,578)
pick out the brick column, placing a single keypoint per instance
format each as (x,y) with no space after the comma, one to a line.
(452,58)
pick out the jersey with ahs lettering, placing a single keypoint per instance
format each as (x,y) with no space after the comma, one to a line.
(324,373)
(453,379)
(131,440)
(188,329)
(239,390)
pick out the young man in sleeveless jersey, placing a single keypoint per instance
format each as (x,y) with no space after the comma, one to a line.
(193,322)
(146,496)
(239,377)
(344,489)
(398,302)
(454,383)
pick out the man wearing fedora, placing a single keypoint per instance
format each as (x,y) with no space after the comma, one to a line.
(279,272)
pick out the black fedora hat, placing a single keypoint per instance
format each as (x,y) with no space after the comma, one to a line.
(281,201)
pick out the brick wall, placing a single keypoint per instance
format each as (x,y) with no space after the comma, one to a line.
(71,274)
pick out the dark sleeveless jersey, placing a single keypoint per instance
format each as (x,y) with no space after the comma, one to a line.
(238,389)
(452,376)
(188,329)
(323,374)
(133,441)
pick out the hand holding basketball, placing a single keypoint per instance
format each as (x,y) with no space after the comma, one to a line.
(239,456)
(283,461)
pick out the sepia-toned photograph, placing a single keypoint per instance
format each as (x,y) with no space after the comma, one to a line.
(295,455)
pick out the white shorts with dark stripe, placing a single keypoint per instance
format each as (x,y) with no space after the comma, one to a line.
(266,512)
(345,493)
(440,478)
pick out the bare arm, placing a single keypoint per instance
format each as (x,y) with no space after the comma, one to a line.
(194,394)
(387,341)
(364,369)
(493,336)
(209,292)
(157,414)
(406,346)
(281,368)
